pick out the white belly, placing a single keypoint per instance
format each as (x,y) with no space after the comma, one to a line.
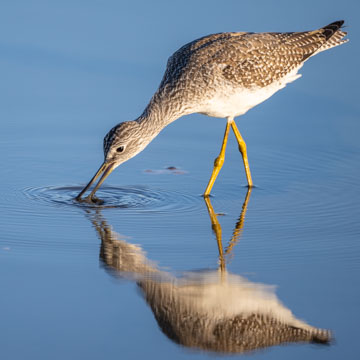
(230,102)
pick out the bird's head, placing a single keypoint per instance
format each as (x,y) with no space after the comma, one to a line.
(121,143)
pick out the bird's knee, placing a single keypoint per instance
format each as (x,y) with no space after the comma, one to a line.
(219,161)
(242,148)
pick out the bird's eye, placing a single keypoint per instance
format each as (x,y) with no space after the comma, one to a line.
(120,149)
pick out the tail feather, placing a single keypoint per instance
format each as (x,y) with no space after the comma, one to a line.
(334,35)
(331,29)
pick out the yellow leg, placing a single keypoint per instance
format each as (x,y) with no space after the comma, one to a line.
(219,161)
(242,149)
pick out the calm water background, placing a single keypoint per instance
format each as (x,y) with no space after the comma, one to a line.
(71,70)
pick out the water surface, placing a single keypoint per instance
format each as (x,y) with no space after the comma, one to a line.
(86,279)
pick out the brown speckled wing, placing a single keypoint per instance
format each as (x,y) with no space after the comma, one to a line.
(269,57)
(249,59)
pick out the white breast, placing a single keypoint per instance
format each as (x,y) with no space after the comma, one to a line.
(231,102)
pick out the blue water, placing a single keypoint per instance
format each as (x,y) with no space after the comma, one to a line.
(69,72)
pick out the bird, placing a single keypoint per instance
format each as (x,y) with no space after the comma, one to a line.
(221,75)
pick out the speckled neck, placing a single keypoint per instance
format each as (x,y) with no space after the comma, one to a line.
(157,115)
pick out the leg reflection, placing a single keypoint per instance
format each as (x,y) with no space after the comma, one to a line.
(216,227)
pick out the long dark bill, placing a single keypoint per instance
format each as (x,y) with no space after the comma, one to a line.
(105,169)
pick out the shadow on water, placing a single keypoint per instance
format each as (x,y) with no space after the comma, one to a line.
(211,310)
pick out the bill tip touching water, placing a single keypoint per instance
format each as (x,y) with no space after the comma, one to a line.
(221,75)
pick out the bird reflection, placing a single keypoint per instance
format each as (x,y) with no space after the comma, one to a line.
(209,310)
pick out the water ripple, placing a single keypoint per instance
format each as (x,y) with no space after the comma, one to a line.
(137,198)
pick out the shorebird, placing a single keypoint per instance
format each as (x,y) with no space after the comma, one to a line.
(221,75)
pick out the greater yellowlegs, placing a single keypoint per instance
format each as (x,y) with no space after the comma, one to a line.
(221,75)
